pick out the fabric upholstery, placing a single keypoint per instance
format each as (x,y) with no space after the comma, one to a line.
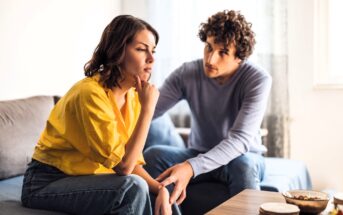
(284,174)
(15,208)
(21,122)
(162,131)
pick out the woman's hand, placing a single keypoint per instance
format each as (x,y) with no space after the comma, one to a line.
(162,205)
(148,94)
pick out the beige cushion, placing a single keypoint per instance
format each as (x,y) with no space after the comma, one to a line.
(21,123)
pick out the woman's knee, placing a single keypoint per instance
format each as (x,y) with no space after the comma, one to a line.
(139,185)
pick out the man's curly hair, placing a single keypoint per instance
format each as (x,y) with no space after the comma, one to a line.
(230,27)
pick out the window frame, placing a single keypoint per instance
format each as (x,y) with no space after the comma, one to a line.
(322,71)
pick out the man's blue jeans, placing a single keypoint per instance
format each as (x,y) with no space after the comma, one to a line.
(244,172)
(46,187)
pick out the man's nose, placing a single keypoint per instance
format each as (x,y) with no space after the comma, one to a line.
(212,58)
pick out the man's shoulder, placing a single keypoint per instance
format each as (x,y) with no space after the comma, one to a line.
(253,70)
(192,66)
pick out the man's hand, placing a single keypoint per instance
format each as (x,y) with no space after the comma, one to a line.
(180,174)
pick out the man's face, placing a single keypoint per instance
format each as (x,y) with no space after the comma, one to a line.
(219,60)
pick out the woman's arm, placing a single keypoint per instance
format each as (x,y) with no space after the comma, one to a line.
(162,205)
(154,186)
(148,95)
(135,144)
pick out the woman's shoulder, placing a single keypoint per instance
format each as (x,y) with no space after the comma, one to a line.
(87,89)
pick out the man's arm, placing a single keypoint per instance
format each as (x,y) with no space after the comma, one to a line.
(240,135)
(244,129)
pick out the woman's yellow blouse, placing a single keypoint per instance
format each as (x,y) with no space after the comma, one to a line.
(86,133)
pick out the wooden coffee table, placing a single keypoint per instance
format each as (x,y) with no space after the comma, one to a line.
(246,202)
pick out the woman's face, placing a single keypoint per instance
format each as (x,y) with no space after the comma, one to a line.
(139,57)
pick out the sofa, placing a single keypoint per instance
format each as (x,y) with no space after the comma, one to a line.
(22,121)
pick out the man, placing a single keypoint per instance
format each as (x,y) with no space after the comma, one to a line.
(227,96)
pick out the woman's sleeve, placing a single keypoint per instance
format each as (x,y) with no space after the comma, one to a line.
(103,138)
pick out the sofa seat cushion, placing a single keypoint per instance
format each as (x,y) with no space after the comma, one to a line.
(15,208)
(10,199)
(11,189)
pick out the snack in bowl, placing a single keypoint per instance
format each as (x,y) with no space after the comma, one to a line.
(309,201)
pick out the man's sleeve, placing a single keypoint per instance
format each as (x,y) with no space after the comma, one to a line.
(241,135)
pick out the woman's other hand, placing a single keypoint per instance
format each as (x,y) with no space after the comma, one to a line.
(162,205)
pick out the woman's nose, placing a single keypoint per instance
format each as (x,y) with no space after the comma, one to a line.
(150,57)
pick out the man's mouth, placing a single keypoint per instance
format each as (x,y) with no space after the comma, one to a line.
(209,67)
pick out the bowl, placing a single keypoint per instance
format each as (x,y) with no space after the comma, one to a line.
(309,201)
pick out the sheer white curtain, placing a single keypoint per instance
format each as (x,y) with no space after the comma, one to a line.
(177,22)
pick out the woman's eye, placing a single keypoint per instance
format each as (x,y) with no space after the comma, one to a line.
(140,49)
(209,48)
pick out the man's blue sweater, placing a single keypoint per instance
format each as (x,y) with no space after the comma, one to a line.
(226,118)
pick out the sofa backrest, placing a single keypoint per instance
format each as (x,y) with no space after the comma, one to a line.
(21,123)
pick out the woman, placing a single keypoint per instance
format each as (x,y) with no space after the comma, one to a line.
(94,137)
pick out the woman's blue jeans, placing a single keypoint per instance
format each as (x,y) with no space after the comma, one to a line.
(46,187)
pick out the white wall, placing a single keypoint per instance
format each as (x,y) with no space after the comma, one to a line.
(316,115)
(45,43)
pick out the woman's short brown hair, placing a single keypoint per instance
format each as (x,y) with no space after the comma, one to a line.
(110,52)
(230,27)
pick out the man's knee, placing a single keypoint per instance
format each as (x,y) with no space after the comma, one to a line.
(243,165)
(154,153)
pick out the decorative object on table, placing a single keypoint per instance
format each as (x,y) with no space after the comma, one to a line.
(277,208)
(309,201)
(338,202)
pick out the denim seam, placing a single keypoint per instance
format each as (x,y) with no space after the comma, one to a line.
(74,192)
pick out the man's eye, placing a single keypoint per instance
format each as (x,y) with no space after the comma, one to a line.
(222,53)
(209,48)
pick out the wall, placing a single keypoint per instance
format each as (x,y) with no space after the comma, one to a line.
(316,115)
(45,43)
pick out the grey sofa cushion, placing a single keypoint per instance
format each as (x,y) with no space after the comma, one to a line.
(15,208)
(16,140)
(162,132)
(10,190)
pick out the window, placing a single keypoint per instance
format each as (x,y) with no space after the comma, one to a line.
(328,44)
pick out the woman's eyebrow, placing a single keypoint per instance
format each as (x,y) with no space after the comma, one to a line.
(145,44)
